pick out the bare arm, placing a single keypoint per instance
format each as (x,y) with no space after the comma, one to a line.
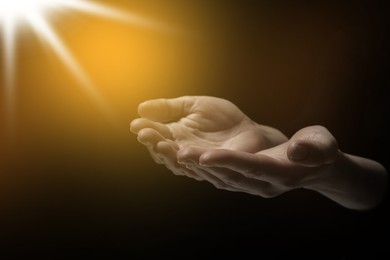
(354,182)
(310,160)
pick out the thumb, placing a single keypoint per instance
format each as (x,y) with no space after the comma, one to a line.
(312,146)
(165,110)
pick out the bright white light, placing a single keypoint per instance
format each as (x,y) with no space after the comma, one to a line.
(17,8)
(32,12)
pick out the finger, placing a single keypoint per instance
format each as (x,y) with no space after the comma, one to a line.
(149,136)
(282,174)
(311,153)
(190,155)
(217,183)
(167,151)
(313,146)
(166,110)
(234,160)
(260,167)
(156,158)
(142,123)
(238,181)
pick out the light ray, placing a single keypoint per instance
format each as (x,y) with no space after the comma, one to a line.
(9,69)
(44,30)
(109,12)
(33,12)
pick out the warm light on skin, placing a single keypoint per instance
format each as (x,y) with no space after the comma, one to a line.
(15,13)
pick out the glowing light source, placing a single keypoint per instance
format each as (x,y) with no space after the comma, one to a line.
(14,13)
(20,7)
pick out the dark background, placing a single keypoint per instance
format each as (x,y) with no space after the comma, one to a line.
(72,186)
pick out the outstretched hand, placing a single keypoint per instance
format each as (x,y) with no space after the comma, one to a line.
(208,138)
(167,126)
(300,162)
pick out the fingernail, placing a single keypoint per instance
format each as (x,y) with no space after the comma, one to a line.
(299,152)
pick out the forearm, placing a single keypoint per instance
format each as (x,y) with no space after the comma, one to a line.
(353,182)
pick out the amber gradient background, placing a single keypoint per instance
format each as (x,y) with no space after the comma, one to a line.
(73,183)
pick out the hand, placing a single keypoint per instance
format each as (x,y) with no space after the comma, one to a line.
(214,141)
(169,125)
(305,159)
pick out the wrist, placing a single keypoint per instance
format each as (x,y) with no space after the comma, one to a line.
(329,174)
(353,182)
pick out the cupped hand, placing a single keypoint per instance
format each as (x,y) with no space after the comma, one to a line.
(303,160)
(207,123)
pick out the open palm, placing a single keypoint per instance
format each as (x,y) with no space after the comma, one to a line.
(269,172)
(169,125)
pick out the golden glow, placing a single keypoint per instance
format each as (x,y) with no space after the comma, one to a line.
(15,13)
(124,62)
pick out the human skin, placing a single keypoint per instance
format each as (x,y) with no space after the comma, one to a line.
(208,138)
